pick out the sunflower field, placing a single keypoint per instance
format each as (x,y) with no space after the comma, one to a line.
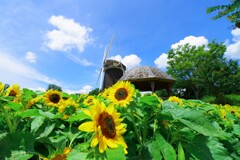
(119,123)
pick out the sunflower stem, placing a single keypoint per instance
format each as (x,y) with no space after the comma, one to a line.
(8,121)
(135,127)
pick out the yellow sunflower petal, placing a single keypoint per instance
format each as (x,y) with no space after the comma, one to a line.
(87,126)
(121,131)
(120,126)
(111,143)
(102,145)
(110,109)
(121,141)
(94,141)
(86,111)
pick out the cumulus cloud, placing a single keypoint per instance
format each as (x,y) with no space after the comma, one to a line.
(192,40)
(161,61)
(31,57)
(86,89)
(233,50)
(68,35)
(12,70)
(129,61)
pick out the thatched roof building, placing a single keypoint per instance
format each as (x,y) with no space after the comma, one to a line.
(146,78)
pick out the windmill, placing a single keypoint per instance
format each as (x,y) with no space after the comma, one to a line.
(113,70)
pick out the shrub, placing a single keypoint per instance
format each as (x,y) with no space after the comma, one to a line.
(209,99)
(233,99)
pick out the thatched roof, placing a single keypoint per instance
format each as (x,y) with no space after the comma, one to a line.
(146,78)
(146,73)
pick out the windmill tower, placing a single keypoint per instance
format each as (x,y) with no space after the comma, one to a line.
(113,70)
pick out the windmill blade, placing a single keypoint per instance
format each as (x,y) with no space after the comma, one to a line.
(99,75)
(104,57)
(108,49)
(103,61)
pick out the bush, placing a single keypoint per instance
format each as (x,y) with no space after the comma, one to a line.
(233,99)
(209,99)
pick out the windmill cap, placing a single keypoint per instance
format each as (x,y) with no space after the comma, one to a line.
(110,63)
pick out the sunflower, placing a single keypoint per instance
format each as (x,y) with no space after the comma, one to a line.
(106,125)
(223,113)
(33,101)
(68,106)
(1,87)
(175,99)
(81,98)
(88,100)
(105,93)
(121,94)
(52,98)
(14,91)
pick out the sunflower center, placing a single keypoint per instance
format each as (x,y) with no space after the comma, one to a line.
(54,98)
(107,125)
(12,93)
(89,101)
(121,94)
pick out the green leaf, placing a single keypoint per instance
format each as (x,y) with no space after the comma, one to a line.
(16,141)
(76,155)
(36,123)
(198,148)
(195,120)
(36,112)
(13,105)
(181,155)
(166,148)
(47,131)
(149,100)
(78,117)
(19,155)
(6,99)
(154,150)
(192,118)
(236,130)
(47,114)
(71,136)
(115,154)
(30,112)
(217,149)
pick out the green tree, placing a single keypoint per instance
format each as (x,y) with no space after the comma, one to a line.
(231,11)
(203,70)
(94,92)
(54,87)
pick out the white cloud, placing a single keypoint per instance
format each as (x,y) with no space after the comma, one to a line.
(129,61)
(69,35)
(75,59)
(31,57)
(192,40)
(38,89)
(161,61)
(236,34)
(14,71)
(233,50)
(86,89)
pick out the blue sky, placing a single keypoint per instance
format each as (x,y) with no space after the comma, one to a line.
(62,42)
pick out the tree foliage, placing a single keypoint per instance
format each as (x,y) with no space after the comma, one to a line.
(203,70)
(94,92)
(231,11)
(54,87)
